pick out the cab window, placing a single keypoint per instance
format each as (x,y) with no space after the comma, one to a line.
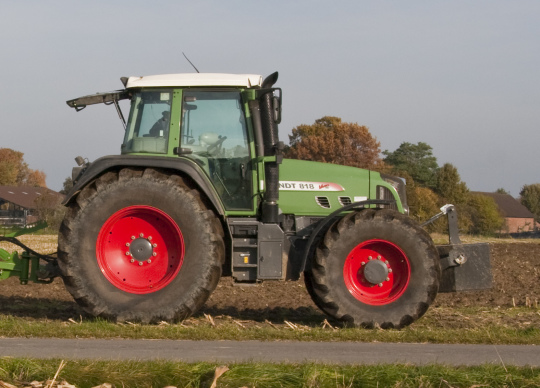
(213,128)
(148,124)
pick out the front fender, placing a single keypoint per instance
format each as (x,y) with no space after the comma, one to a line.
(323,225)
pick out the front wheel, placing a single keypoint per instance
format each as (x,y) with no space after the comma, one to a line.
(374,268)
(140,245)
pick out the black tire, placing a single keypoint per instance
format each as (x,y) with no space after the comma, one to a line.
(401,256)
(190,252)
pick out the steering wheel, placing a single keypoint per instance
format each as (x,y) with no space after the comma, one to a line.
(216,146)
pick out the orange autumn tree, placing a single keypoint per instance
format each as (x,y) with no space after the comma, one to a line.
(330,140)
(15,172)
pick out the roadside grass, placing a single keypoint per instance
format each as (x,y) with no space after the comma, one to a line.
(440,325)
(126,374)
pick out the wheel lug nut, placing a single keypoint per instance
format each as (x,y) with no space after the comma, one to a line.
(140,262)
(379,257)
(387,279)
(149,238)
(127,253)
(154,254)
(370,258)
(363,263)
(128,244)
(386,262)
(132,260)
(148,261)
(380,284)
(133,237)
(141,235)
(154,245)
(389,270)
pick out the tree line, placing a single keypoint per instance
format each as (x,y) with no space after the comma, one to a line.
(429,185)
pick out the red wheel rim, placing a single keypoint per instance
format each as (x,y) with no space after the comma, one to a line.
(140,249)
(393,272)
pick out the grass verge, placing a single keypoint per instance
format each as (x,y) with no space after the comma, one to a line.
(440,325)
(165,373)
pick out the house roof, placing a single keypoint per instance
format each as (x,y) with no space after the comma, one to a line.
(24,196)
(508,205)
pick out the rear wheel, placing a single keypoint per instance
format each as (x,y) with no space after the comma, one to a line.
(140,245)
(374,268)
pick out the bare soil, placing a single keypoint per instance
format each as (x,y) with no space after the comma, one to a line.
(516,274)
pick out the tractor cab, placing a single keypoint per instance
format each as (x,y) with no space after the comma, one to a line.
(213,120)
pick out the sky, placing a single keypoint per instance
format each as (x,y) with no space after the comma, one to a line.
(461,76)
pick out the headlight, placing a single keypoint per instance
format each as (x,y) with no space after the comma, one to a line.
(82,164)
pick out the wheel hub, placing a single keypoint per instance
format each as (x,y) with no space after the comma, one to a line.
(375,271)
(141,249)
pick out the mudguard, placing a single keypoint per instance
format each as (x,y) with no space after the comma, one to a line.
(117,162)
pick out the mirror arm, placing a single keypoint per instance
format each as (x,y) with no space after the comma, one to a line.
(119,111)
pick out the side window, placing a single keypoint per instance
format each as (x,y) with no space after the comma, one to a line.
(214,122)
(214,129)
(148,124)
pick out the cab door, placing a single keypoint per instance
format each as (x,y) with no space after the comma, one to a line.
(214,134)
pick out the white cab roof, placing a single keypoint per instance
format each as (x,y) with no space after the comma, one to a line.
(195,79)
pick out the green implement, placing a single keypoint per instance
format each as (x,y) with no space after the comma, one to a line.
(27,265)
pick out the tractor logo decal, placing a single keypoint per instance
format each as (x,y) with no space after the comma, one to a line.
(309,186)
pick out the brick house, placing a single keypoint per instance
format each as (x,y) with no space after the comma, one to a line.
(18,204)
(517,217)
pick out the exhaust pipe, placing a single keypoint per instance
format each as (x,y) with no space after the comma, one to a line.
(270,210)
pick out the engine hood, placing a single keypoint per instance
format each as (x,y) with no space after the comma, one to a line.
(314,188)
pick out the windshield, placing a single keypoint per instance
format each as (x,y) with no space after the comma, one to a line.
(149,120)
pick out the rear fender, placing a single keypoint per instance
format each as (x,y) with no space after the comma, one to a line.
(114,163)
(322,226)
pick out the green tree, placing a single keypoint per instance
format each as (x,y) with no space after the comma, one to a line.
(67,186)
(15,172)
(417,160)
(501,190)
(330,140)
(450,186)
(485,216)
(530,198)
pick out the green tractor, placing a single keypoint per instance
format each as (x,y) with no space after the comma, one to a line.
(201,190)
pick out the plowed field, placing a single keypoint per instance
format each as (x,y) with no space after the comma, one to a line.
(516,273)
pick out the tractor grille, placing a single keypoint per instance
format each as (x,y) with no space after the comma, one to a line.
(323,202)
(344,201)
(385,193)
